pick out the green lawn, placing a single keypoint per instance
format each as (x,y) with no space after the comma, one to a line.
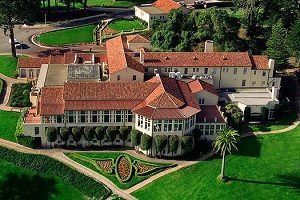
(53,177)
(8,122)
(266,167)
(8,65)
(19,183)
(83,34)
(109,3)
(287,119)
(119,25)
(88,160)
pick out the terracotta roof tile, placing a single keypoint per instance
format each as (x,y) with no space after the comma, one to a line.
(136,39)
(32,62)
(52,102)
(199,85)
(260,62)
(197,59)
(211,113)
(101,105)
(166,5)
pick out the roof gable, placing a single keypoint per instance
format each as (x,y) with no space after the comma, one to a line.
(166,5)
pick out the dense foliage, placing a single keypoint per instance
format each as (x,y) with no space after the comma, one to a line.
(64,133)
(124,132)
(160,143)
(89,133)
(111,133)
(146,142)
(100,133)
(49,166)
(20,95)
(26,141)
(135,138)
(1,87)
(76,133)
(187,143)
(51,134)
(173,143)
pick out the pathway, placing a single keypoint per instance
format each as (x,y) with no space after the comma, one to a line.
(9,82)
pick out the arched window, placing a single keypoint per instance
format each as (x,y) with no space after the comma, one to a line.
(37,73)
(23,73)
(31,73)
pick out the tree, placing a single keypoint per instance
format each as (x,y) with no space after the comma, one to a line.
(294,40)
(264,115)
(173,143)
(135,138)
(247,114)
(100,133)
(111,133)
(51,134)
(146,142)
(160,143)
(14,12)
(187,143)
(85,4)
(64,134)
(224,143)
(124,132)
(89,133)
(76,133)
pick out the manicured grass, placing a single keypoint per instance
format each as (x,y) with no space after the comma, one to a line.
(266,167)
(85,186)
(83,34)
(119,25)
(287,119)
(109,3)
(112,155)
(8,65)
(8,122)
(19,183)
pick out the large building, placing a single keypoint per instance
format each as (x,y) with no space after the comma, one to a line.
(169,93)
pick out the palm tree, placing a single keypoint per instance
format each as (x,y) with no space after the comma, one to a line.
(224,143)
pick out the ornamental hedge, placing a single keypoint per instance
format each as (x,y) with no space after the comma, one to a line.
(51,167)
(19,126)
(20,95)
(26,141)
(123,168)
(1,88)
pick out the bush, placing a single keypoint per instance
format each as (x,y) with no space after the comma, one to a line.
(160,143)
(19,127)
(264,114)
(64,133)
(146,142)
(20,95)
(51,167)
(187,143)
(51,134)
(89,133)
(173,143)
(26,141)
(100,132)
(111,133)
(76,133)
(135,138)
(247,114)
(124,132)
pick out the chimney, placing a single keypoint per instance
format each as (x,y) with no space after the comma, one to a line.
(93,58)
(271,64)
(141,56)
(209,46)
(75,59)
(275,93)
(204,119)
(216,119)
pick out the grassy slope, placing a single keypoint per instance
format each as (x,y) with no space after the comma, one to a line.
(125,25)
(27,184)
(8,122)
(267,167)
(83,34)
(8,65)
(104,155)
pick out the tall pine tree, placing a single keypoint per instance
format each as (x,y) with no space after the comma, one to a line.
(294,40)
(277,47)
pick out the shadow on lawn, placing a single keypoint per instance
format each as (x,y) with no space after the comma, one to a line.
(16,187)
(290,181)
(252,149)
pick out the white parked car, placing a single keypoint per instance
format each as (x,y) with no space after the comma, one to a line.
(17,43)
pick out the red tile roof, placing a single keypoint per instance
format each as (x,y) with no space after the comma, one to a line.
(199,85)
(52,102)
(212,115)
(260,62)
(32,62)
(166,5)
(197,59)
(136,39)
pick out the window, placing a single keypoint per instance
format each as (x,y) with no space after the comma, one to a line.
(201,101)
(254,72)
(59,119)
(245,71)
(118,116)
(194,69)
(118,77)
(128,116)
(147,124)
(140,121)
(71,116)
(167,125)
(205,70)
(214,70)
(157,125)
(178,125)
(271,114)
(218,128)
(201,128)
(83,116)
(243,82)
(185,70)
(106,116)
(36,130)
(94,116)
(264,73)
(235,70)
(206,130)
(224,69)
(212,129)
(197,69)
(166,69)
(134,77)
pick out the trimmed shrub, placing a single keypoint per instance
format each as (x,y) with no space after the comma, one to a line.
(160,143)
(135,138)
(111,133)
(100,133)
(51,134)
(187,143)
(124,132)
(20,95)
(26,141)
(247,114)
(76,133)
(64,133)
(89,133)
(146,142)
(19,126)
(173,143)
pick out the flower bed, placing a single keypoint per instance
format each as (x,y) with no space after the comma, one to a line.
(143,168)
(123,168)
(106,165)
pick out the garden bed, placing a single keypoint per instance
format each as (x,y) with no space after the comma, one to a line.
(122,169)
(20,95)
